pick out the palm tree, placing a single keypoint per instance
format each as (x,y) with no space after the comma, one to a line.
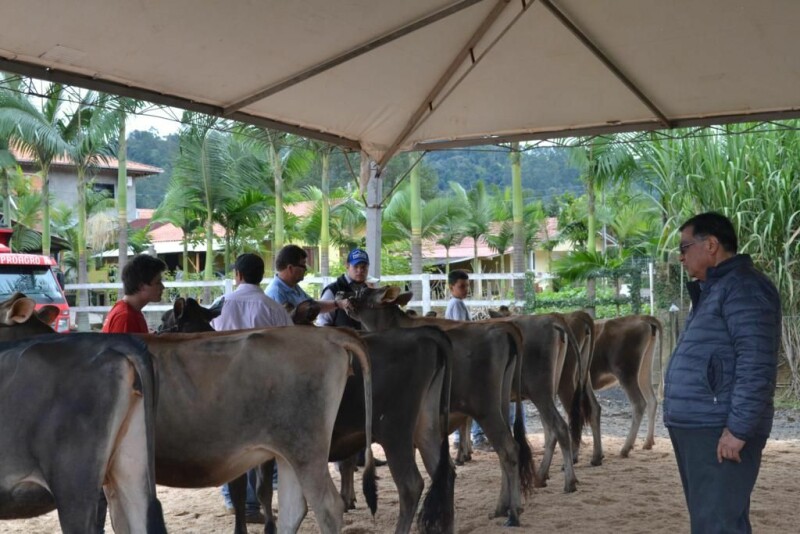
(7,161)
(124,107)
(289,157)
(182,211)
(601,162)
(89,143)
(201,174)
(518,225)
(479,218)
(39,131)
(452,226)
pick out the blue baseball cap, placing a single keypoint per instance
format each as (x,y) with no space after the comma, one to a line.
(357,256)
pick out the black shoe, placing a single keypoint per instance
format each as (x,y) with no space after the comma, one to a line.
(380,463)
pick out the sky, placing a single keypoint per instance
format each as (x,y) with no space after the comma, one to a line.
(164,120)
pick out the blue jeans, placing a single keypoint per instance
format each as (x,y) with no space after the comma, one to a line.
(477,432)
(252,505)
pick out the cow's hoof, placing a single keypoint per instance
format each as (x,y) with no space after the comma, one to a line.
(649,445)
(540,482)
(571,488)
(512,521)
(624,453)
(597,461)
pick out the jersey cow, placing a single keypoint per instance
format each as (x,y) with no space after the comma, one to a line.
(486,366)
(623,353)
(411,396)
(77,418)
(230,401)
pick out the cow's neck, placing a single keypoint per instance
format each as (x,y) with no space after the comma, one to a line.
(390,316)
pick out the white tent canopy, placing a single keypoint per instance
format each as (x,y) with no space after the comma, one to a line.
(383,74)
(388,75)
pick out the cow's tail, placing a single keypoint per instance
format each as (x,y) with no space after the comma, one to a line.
(656,329)
(369,480)
(147,377)
(438,508)
(579,397)
(527,470)
(587,407)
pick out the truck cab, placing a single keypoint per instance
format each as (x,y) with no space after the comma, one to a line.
(36,276)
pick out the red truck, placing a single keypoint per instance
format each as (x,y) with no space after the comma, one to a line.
(35,275)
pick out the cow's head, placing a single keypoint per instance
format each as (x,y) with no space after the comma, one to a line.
(502,311)
(304,313)
(19,320)
(187,315)
(378,308)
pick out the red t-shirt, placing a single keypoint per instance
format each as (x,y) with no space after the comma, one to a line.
(124,319)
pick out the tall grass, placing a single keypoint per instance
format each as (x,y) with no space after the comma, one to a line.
(754,179)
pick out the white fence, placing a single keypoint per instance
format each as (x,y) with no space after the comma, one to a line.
(426,302)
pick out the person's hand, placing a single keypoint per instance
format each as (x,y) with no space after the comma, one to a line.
(729,447)
(343,304)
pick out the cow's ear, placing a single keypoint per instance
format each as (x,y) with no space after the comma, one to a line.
(48,314)
(390,294)
(20,311)
(179,307)
(403,299)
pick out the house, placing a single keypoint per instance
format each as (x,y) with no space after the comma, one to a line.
(64,178)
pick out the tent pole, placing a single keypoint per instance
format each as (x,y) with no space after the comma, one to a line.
(370,173)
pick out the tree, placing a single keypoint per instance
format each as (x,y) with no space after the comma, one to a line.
(602,161)
(201,175)
(479,217)
(89,134)
(7,162)
(39,131)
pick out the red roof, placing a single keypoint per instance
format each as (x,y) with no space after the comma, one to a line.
(465,248)
(134,169)
(163,231)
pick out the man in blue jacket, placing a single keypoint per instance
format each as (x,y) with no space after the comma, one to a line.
(719,388)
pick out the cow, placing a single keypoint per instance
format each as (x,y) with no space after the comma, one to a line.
(545,342)
(623,353)
(486,366)
(411,378)
(77,414)
(233,400)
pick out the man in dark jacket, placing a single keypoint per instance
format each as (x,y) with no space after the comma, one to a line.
(355,277)
(719,388)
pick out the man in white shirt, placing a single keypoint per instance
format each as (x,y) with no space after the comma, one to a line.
(249,307)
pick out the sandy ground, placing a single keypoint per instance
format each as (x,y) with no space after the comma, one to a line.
(638,494)
(623,496)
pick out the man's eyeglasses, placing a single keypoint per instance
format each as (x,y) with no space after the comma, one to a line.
(304,267)
(683,247)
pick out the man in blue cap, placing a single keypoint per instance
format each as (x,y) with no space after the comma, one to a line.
(355,277)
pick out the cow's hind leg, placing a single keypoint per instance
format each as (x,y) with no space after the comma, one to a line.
(76,488)
(555,431)
(347,469)
(646,387)
(400,457)
(129,488)
(309,478)
(594,421)
(631,387)
(238,492)
(510,499)
(264,492)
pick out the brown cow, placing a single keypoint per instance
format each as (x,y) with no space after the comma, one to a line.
(623,353)
(486,366)
(411,381)
(545,340)
(207,381)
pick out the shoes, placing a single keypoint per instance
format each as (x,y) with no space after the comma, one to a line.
(255,517)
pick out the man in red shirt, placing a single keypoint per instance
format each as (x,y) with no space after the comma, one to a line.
(141,281)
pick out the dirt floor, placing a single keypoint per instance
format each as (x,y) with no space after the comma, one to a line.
(638,494)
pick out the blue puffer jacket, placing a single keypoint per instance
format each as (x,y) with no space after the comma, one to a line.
(723,370)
